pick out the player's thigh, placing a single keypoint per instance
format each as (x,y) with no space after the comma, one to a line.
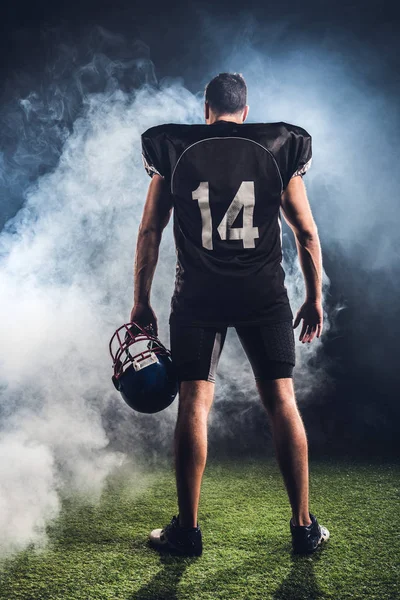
(270,349)
(195,352)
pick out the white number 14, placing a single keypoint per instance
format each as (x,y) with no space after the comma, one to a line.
(245,199)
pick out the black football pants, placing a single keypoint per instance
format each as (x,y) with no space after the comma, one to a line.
(195,350)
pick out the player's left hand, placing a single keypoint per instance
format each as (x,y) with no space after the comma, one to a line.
(144,315)
(312,314)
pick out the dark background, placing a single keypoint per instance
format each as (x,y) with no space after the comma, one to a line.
(360,414)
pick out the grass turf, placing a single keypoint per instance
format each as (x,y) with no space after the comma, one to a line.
(101,552)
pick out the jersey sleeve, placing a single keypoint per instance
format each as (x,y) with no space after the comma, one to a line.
(302,153)
(154,154)
(297,153)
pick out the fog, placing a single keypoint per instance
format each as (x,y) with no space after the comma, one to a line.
(71,169)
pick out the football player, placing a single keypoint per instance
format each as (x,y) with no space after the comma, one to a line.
(227,182)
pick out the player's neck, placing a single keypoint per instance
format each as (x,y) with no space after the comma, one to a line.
(225,119)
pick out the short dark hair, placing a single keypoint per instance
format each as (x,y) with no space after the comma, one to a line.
(226,93)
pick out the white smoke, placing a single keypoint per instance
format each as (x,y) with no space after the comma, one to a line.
(67,262)
(28,498)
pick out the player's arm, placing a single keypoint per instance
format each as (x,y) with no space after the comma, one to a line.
(297,213)
(156,214)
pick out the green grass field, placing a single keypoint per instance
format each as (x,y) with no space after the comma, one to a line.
(101,552)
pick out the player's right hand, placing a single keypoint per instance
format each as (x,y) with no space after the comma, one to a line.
(312,314)
(144,315)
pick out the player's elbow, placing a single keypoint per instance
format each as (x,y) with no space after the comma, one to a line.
(307,235)
(150,229)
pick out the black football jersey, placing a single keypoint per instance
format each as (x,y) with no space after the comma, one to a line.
(226,181)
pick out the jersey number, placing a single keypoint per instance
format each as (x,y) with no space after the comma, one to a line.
(245,199)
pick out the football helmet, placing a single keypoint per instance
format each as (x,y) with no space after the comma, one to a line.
(143,370)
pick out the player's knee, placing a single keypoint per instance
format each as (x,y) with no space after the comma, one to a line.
(277,394)
(195,396)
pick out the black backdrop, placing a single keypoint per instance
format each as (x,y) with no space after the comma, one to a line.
(362,412)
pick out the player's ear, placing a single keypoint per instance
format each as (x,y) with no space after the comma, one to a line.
(246,112)
(206,111)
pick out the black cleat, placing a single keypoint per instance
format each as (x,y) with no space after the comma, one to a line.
(307,538)
(182,540)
